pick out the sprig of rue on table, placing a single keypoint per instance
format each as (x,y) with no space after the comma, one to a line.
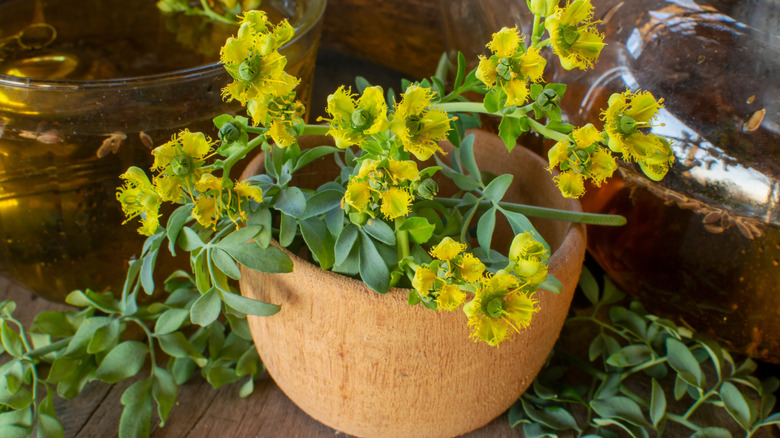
(631,349)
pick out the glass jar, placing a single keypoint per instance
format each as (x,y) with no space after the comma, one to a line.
(703,245)
(87,89)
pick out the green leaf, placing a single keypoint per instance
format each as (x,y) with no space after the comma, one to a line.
(49,426)
(379,230)
(105,337)
(206,309)
(164,392)
(14,431)
(176,345)
(52,323)
(345,243)
(373,269)
(467,159)
(510,129)
(246,388)
(182,368)
(680,387)
(551,284)
(225,263)
(628,319)
(319,241)
(462,181)
(418,228)
(171,320)
(682,360)
(621,408)
(12,342)
(291,201)
(249,363)
(176,221)
(323,202)
(240,236)
(312,154)
(553,417)
(589,286)
(189,240)
(602,345)
(492,100)
(270,260)
(136,418)
(740,408)
(79,342)
(712,432)
(657,404)
(248,305)
(772,419)
(485,227)
(17,400)
(496,189)
(288,228)
(630,355)
(221,375)
(122,362)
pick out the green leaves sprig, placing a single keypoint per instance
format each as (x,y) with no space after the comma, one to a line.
(631,347)
(64,350)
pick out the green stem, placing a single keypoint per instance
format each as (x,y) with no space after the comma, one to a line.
(600,323)
(477,107)
(207,11)
(401,238)
(309,129)
(542,43)
(548,133)
(46,349)
(698,403)
(149,337)
(547,213)
(535,34)
(464,107)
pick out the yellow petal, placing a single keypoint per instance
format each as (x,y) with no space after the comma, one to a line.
(505,42)
(450,297)
(395,203)
(447,249)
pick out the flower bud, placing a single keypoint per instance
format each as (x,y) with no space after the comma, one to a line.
(249,69)
(542,8)
(230,132)
(427,188)
(358,219)
(547,99)
(182,165)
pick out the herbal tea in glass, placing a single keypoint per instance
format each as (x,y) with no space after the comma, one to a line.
(87,88)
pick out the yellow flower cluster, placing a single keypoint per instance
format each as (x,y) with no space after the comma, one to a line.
(385,185)
(626,114)
(259,80)
(511,67)
(573,36)
(580,157)
(501,301)
(181,176)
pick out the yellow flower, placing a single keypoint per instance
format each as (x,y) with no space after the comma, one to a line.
(450,297)
(395,202)
(417,126)
(516,92)
(139,198)
(573,36)
(180,156)
(626,114)
(358,195)
(586,136)
(470,268)
(533,271)
(571,184)
(282,133)
(246,190)
(558,154)
(402,171)
(354,120)
(496,308)
(208,182)
(505,42)
(423,280)
(447,249)
(486,70)
(206,211)
(532,64)
(602,166)
(525,246)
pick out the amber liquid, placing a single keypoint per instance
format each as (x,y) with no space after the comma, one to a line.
(60,224)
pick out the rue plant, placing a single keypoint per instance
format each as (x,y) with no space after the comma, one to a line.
(379,219)
(632,352)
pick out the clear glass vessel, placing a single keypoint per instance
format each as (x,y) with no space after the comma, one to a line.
(703,245)
(87,88)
